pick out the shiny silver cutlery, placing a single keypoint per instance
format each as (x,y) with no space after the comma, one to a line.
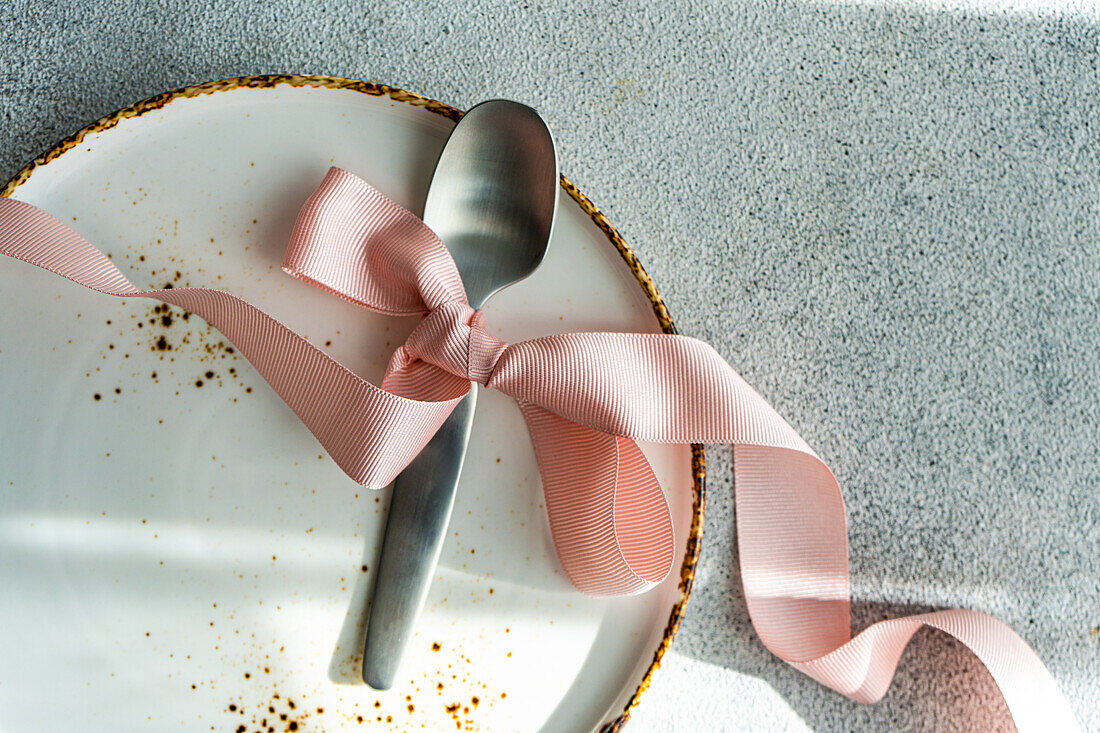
(491,200)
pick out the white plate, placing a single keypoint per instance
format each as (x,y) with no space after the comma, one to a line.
(183,557)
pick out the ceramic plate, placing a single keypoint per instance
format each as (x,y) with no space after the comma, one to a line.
(177,552)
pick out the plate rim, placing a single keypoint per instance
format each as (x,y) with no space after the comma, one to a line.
(433,106)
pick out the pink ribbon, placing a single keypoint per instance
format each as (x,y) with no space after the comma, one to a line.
(586,398)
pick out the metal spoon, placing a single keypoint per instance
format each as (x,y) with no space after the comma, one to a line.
(491,200)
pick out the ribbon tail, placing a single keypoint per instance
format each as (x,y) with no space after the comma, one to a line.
(609,517)
(370,432)
(792,531)
(863,667)
(792,541)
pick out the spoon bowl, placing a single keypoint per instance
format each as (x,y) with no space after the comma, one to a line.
(493,195)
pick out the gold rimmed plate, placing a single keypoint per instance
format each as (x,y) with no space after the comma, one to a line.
(175,548)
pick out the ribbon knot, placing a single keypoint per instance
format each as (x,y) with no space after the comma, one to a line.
(586,397)
(453,338)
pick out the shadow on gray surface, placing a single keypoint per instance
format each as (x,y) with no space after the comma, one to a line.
(939,685)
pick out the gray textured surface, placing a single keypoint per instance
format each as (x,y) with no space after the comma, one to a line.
(886,217)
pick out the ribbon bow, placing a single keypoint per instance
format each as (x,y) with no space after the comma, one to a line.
(586,398)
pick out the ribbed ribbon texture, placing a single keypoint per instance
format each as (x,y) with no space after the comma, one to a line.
(586,398)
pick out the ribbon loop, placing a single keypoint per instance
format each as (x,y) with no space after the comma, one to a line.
(609,518)
(352,241)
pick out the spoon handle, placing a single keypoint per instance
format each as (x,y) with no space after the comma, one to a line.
(420,509)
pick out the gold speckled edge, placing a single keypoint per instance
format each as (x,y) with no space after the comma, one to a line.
(224,85)
(698,458)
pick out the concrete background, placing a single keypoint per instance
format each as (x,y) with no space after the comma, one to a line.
(885,215)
